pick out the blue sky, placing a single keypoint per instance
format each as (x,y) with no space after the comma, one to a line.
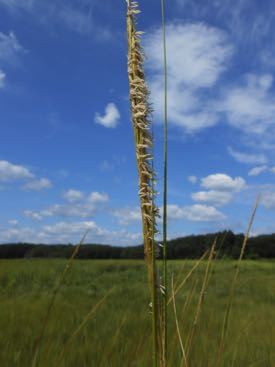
(67,159)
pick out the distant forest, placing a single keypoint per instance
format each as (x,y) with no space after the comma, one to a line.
(190,247)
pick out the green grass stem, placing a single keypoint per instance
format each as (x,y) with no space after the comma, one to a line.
(165,280)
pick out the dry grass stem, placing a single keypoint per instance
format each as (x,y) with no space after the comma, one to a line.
(177,324)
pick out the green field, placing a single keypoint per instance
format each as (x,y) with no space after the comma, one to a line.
(118,334)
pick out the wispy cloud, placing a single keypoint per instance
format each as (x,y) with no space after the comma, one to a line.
(113,163)
(243,28)
(10,48)
(14,5)
(248,158)
(268,199)
(32,215)
(2,79)
(77,16)
(13,222)
(197,56)
(256,171)
(83,210)
(192,179)
(76,19)
(250,106)
(38,184)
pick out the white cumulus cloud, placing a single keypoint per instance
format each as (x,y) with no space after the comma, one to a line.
(221,189)
(223,182)
(213,197)
(72,195)
(110,118)
(98,197)
(13,172)
(195,213)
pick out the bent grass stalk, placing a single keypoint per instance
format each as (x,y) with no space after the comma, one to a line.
(234,282)
(114,340)
(54,294)
(177,324)
(180,273)
(184,310)
(141,113)
(80,327)
(242,332)
(188,275)
(201,299)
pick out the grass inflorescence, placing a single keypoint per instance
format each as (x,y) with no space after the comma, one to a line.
(141,115)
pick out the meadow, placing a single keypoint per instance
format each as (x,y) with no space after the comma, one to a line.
(118,332)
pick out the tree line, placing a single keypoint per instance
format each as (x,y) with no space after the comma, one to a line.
(189,247)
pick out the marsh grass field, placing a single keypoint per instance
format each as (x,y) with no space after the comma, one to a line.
(118,333)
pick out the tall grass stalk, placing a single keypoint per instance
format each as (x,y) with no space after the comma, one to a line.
(165,280)
(234,283)
(141,113)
